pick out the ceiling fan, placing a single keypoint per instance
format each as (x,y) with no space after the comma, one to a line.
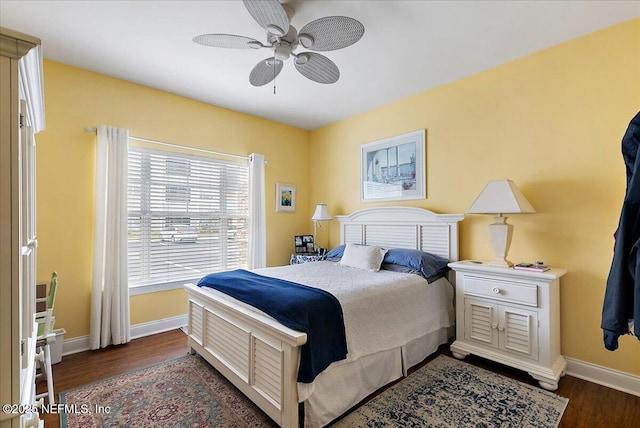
(324,34)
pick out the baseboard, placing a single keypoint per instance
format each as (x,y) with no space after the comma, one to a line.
(604,376)
(159,326)
(81,343)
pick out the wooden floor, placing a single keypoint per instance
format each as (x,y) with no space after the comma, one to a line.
(590,405)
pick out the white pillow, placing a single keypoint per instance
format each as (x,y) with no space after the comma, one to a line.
(367,257)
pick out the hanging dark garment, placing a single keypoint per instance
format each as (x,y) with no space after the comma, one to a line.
(622,297)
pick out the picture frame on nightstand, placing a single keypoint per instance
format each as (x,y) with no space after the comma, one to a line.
(304,244)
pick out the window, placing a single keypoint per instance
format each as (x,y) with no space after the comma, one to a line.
(187,217)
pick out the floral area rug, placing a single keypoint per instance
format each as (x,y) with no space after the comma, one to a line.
(451,393)
(184,392)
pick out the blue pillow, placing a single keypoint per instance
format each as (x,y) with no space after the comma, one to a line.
(407,269)
(336,252)
(428,264)
(400,268)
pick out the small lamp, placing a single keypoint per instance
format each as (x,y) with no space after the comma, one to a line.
(321,214)
(500,197)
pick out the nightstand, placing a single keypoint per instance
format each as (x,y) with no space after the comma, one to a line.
(299,258)
(510,316)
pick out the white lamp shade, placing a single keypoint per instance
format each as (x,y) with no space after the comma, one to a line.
(321,213)
(501,197)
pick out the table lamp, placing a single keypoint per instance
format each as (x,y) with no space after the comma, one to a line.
(321,214)
(500,197)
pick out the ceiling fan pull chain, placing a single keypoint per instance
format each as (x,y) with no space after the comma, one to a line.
(274,73)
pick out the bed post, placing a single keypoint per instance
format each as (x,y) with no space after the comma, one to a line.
(290,389)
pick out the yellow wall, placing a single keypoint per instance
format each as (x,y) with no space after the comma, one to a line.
(65,171)
(552,122)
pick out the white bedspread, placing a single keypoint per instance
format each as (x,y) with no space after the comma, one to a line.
(382,310)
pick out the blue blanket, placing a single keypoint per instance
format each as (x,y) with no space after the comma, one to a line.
(306,309)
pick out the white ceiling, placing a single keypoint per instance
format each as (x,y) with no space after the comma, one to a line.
(408,46)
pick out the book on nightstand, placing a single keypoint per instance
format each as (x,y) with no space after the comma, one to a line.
(532,267)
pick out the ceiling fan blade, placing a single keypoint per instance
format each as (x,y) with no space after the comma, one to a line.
(330,33)
(317,67)
(227,41)
(270,15)
(265,71)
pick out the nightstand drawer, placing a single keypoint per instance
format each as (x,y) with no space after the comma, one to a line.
(525,294)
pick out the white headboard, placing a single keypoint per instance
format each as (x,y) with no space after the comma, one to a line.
(403,227)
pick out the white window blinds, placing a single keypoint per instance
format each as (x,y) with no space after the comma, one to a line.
(187,216)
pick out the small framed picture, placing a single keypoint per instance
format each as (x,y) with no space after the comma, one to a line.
(304,244)
(285,197)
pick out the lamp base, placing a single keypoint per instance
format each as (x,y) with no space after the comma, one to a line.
(504,263)
(500,235)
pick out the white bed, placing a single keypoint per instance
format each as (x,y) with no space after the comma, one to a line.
(260,356)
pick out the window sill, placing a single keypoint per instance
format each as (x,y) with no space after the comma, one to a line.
(162,286)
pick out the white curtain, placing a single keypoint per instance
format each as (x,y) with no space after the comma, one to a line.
(257,213)
(110,288)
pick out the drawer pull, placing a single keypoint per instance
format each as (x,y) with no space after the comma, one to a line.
(496,290)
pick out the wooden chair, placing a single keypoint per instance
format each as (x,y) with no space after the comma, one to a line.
(46,337)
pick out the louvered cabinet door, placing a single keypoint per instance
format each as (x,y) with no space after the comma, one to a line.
(481,322)
(518,331)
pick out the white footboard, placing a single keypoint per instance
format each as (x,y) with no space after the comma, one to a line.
(256,353)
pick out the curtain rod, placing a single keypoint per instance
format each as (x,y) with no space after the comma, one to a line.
(93,130)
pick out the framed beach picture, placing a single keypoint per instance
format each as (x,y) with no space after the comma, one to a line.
(285,197)
(393,169)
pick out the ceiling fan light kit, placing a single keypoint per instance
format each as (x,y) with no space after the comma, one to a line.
(282,51)
(324,34)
